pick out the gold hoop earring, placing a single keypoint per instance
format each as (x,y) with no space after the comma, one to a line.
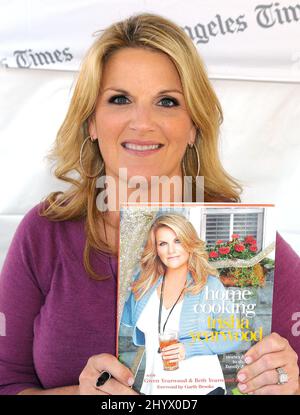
(80,160)
(198,160)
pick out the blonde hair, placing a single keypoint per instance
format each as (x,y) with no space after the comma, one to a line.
(141,31)
(152,267)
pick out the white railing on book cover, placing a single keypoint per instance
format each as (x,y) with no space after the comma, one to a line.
(240,263)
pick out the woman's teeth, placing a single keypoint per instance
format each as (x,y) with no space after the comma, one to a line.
(140,147)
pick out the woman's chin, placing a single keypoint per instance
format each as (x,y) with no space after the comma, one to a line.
(144,171)
(175,265)
(137,175)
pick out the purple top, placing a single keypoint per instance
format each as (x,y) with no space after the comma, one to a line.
(57,317)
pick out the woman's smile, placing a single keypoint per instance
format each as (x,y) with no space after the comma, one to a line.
(141,148)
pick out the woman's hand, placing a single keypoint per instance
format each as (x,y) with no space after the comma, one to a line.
(260,377)
(175,352)
(119,383)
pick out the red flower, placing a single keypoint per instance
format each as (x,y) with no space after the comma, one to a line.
(235,236)
(224,250)
(253,248)
(219,241)
(250,240)
(213,254)
(239,247)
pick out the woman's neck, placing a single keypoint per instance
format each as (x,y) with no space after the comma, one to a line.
(146,193)
(176,276)
(121,189)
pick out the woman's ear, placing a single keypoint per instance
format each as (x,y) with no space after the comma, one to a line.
(92,128)
(193,135)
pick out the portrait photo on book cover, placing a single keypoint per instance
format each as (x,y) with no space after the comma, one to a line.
(195,293)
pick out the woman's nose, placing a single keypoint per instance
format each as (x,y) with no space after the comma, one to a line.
(171,248)
(142,118)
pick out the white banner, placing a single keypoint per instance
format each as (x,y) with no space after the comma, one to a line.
(249,39)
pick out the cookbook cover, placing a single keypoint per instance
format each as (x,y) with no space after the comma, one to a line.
(195,293)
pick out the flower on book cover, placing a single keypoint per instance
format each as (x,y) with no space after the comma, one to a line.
(234,249)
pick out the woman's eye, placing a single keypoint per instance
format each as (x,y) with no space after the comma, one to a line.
(168,102)
(162,243)
(118,99)
(177,241)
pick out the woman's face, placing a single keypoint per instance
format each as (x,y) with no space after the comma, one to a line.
(169,248)
(141,119)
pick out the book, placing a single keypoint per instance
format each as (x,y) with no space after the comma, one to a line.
(194,294)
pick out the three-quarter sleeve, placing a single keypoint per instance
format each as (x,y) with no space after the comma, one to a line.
(21,299)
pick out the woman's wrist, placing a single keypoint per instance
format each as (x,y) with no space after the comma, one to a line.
(298,392)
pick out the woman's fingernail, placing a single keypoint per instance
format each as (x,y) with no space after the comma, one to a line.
(241,377)
(248,360)
(130,381)
(242,386)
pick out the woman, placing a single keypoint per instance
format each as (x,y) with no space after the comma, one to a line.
(174,273)
(141,84)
